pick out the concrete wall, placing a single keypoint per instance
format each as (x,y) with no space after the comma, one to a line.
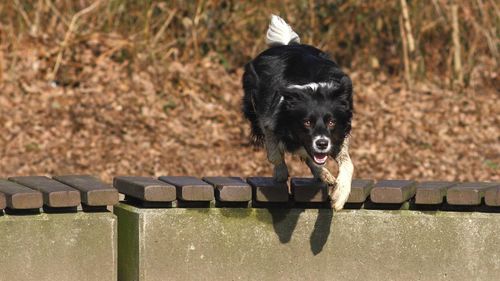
(250,244)
(69,246)
(310,244)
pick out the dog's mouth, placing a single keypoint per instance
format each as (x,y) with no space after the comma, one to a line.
(320,158)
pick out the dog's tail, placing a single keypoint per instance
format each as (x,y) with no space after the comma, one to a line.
(280,33)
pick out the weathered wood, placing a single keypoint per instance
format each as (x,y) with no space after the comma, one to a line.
(432,192)
(360,190)
(93,191)
(492,196)
(145,188)
(55,194)
(20,197)
(190,188)
(230,189)
(309,190)
(468,193)
(392,191)
(266,190)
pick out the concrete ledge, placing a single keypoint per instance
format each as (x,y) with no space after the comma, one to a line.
(69,246)
(306,244)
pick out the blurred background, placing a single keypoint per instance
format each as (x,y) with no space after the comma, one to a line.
(153,87)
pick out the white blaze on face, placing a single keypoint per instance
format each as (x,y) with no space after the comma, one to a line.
(320,155)
(319,150)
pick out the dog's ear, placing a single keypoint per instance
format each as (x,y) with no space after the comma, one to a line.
(292,95)
(343,92)
(346,86)
(346,103)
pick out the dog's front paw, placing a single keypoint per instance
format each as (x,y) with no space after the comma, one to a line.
(327,177)
(280,173)
(340,194)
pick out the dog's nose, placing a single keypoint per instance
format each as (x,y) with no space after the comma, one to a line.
(322,144)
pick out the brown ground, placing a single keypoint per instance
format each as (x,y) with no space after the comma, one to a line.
(111,118)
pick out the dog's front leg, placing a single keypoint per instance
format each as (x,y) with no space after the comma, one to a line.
(340,193)
(320,172)
(275,155)
(316,170)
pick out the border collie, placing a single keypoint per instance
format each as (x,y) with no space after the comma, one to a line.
(299,101)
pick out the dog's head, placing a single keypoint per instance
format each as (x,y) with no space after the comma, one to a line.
(317,116)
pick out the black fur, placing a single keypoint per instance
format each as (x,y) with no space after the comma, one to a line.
(267,80)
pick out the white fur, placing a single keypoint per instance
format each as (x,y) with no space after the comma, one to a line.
(280,33)
(342,189)
(322,137)
(313,86)
(281,100)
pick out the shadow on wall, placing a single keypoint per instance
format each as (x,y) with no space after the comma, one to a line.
(285,220)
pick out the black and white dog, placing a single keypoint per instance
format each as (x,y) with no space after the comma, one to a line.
(298,100)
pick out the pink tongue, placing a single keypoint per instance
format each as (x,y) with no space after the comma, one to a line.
(320,158)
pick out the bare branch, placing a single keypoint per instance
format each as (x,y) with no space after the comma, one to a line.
(67,37)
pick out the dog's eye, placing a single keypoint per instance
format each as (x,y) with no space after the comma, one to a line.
(331,123)
(307,123)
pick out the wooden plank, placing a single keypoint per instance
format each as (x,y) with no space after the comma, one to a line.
(93,191)
(468,193)
(392,191)
(190,188)
(432,192)
(230,189)
(360,190)
(55,194)
(266,190)
(309,190)
(20,197)
(145,188)
(492,196)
